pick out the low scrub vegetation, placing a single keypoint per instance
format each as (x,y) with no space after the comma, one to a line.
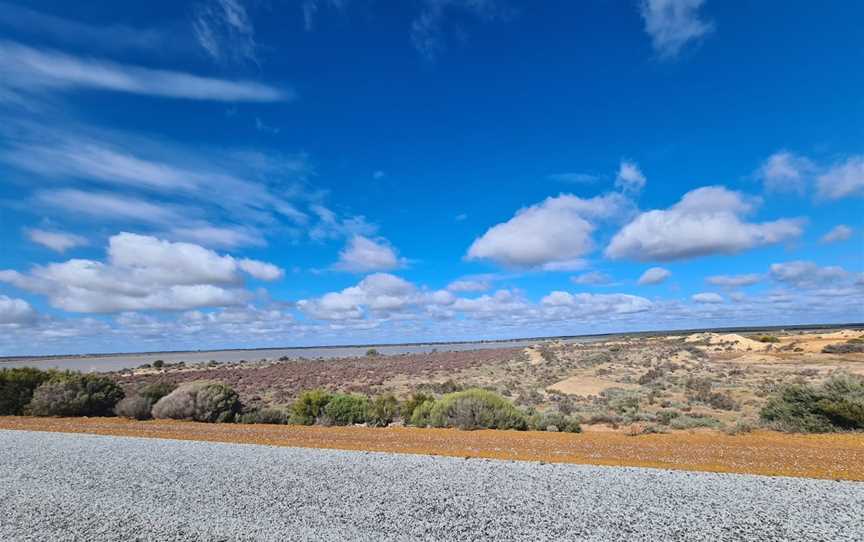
(273,416)
(346,409)
(75,394)
(134,407)
(199,401)
(476,409)
(835,405)
(17,387)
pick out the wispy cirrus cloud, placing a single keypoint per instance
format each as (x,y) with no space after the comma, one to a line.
(27,69)
(225,31)
(57,241)
(430,28)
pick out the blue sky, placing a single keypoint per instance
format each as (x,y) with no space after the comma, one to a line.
(237,173)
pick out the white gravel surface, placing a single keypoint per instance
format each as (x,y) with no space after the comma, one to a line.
(83,487)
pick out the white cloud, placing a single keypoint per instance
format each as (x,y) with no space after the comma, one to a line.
(225,31)
(381,293)
(15,311)
(630,178)
(108,205)
(592,278)
(672,24)
(838,233)
(786,172)
(566,305)
(808,275)
(552,234)
(362,255)
(843,180)
(654,275)
(468,285)
(143,273)
(706,221)
(707,297)
(734,281)
(29,69)
(55,240)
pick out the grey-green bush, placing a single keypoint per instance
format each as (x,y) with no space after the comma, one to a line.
(199,401)
(75,394)
(543,421)
(382,410)
(476,409)
(156,390)
(421,416)
(274,416)
(836,405)
(344,409)
(309,406)
(410,404)
(16,388)
(134,407)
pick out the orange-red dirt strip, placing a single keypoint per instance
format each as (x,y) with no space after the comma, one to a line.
(834,456)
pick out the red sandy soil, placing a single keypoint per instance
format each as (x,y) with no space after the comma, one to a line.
(832,456)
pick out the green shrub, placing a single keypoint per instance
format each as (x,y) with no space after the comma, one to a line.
(273,416)
(408,407)
(838,404)
(135,407)
(382,410)
(686,421)
(373,353)
(16,388)
(422,414)
(158,364)
(546,420)
(75,394)
(156,390)
(199,401)
(767,339)
(345,409)
(309,406)
(476,409)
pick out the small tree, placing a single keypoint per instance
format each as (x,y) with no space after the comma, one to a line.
(346,409)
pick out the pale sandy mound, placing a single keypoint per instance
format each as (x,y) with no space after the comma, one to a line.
(815,342)
(534,356)
(587,385)
(737,342)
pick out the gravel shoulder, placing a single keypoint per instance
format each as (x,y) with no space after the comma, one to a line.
(56,486)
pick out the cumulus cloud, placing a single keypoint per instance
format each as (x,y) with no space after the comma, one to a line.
(654,275)
(469,285)
(838,233)
(380,293)
(553,234)
(142,273)
(734,281)
(28,69)
(707,297)
(566,305)
(55,240)
(15,311)
(706,221)
(225,31)
(592,278)
(630,178)
(806,275)
(785,172)
(842,180)
(362,255)
(672,24)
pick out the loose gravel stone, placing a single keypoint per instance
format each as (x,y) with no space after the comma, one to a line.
(93,488)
